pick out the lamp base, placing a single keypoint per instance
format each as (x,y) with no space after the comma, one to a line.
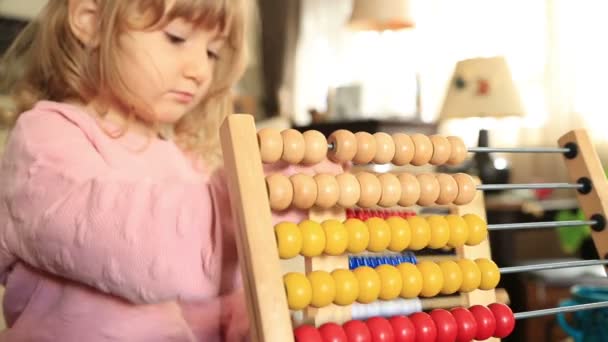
(484,166)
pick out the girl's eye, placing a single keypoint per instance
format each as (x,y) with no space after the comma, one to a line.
(213,55)
(174,39)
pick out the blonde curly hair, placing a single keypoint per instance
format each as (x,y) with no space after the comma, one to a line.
(48,62)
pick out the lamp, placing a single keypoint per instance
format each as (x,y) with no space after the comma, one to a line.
(379,15)
(483,87)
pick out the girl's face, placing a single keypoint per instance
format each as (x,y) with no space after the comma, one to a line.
(169,68)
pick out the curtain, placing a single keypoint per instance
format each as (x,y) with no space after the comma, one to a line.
(280,21)
(330,56)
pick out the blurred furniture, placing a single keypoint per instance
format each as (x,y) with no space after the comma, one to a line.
(547,290)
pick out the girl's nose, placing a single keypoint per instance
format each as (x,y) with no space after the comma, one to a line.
(197,68)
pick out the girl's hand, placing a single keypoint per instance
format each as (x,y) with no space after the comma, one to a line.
(235,319)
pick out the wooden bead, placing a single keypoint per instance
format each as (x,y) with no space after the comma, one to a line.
(441,150)
(423,149)
(385,148)
(316,147)
(458,151)
(410,189)
(371,189)
(270,142)
(294,146)
(404,149)
(466,188)
(280,191)
(429,189)
(304,190)
(328,190)
(448,189)
(391,190)
(350,190)
(366,148)
(344,146)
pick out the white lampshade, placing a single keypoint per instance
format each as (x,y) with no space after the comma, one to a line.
(482,87)
(379,15)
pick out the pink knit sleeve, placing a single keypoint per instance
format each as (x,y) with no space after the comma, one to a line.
(66,212)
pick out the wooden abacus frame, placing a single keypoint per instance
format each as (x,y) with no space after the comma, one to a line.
(258,251)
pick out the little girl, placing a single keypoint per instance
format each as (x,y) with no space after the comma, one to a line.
(114,219)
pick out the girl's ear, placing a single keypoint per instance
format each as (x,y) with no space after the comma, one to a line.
(83,16)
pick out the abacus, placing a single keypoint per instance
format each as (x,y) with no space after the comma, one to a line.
(359,250)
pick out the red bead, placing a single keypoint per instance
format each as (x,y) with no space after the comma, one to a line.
(425,327)
(486,324)
(332,332)
(307,333)
(447,329)
(467,326)
(505,321)
(403,328)
(380,329)
(349,213)
(357,331)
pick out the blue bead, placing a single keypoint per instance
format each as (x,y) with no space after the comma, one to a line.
(374,262)
(386,260)
(400,259)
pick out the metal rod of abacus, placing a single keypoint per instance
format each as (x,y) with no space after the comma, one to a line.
(519,149)
(571,308)
(551,266)
(486,187)
(538,225)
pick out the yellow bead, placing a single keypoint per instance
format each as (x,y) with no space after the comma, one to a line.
(289,239)
(490,274)
(459,231)
(432,278)
(471,276)
(299,291)
(323,288)
(421,232)
(478,229)
(440,231)
(452,277)
(347,287)
(379,234)
(390,280)
(358,235)
(369,284)
(313,238)
(412,280)
(401,234)
(336,237)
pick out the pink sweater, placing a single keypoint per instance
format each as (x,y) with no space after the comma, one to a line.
(105,239)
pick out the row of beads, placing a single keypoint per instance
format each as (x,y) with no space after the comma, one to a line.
(355,261)
(386,308)
(365,213)
(478,322)
(386,282)
(311,147)
(366,190)
(396,234)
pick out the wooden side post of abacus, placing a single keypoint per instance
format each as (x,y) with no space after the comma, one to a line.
(583,165)
(258,253)
(482,250)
